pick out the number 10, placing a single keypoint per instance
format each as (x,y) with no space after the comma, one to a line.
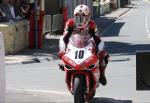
(79,54)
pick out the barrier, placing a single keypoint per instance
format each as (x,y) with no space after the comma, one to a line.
(15,35)
(57,22)
(55,25)
(143,70)
(118,3)
(102,9)
(2,70)
(106,7)
(47,23)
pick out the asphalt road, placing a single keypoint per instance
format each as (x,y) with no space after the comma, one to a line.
(44,83)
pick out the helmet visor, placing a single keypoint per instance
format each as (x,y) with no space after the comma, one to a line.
(79,20)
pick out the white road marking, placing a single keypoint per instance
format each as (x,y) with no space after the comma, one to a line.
(126,13)
(147,23)
(39,91)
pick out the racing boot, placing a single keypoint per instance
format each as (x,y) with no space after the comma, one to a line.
(61,66)
(104,57)
(102,67)
(102,79)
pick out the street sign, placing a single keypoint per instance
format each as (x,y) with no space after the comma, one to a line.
(2,70)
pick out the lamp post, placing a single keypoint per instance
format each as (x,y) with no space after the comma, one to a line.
(2,70)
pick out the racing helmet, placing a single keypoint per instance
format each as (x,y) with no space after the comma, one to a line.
(82,15)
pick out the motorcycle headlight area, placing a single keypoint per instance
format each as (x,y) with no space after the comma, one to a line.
(88,68)
(68,67)
(91,67)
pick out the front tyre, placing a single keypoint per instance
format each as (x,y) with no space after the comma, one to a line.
(92,95)
(79,89)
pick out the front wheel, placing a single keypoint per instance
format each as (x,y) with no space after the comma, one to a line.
(79,89)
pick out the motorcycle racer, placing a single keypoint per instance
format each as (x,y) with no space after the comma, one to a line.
(82,24)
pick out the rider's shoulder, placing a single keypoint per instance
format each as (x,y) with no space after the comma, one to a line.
(70,22)
(92,24)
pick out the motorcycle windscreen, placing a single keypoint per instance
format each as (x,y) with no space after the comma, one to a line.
(79,48)
(80,40)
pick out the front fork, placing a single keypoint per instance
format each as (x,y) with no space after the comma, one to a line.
(70,75)
(87,79)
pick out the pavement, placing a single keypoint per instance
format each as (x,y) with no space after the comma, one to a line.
(50,47)
(47,53)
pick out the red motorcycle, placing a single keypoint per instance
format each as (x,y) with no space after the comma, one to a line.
(81,65)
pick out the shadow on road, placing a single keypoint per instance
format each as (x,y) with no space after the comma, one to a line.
(104,22)
(124,48)
(114,30)
(50,49)
(51,46)
(108,100)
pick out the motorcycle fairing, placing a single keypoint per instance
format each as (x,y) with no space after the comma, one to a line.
(80,60)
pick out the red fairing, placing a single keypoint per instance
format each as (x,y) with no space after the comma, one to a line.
(90,89)
(86,63)
(79,69)
(91,60)
(61,53)
(68,61)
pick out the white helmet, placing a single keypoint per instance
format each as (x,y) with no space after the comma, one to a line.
(82,15)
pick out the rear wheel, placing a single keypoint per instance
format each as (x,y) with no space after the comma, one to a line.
(79,89)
